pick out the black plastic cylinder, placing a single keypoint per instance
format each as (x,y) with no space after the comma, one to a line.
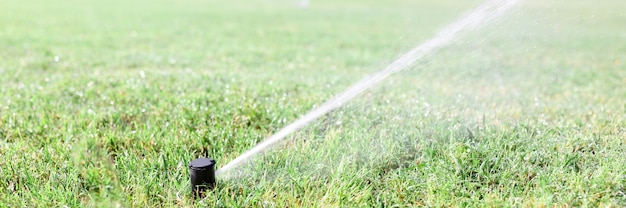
(202,175)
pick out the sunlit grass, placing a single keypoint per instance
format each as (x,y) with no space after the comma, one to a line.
(105,104)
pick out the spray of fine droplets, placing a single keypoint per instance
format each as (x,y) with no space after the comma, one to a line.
(473,20)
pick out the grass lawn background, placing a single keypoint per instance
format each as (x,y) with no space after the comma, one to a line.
(105,103)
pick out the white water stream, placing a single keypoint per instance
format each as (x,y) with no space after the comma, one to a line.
(480,16)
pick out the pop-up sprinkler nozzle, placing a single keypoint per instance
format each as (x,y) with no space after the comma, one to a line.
(202,175)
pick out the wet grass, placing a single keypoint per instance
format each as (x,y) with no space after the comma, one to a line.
(104,104)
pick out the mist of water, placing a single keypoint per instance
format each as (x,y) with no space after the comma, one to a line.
(480,16)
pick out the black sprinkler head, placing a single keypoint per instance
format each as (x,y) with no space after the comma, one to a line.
(202,175)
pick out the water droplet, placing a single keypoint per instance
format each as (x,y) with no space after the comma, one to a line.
(304,3)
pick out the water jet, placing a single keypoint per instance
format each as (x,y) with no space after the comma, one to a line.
(477,18)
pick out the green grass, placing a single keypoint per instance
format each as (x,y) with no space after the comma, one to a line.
(105,103)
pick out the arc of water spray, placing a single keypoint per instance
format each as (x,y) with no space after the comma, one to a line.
(478,17)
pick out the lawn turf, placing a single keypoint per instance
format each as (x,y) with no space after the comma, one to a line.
(105,103)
